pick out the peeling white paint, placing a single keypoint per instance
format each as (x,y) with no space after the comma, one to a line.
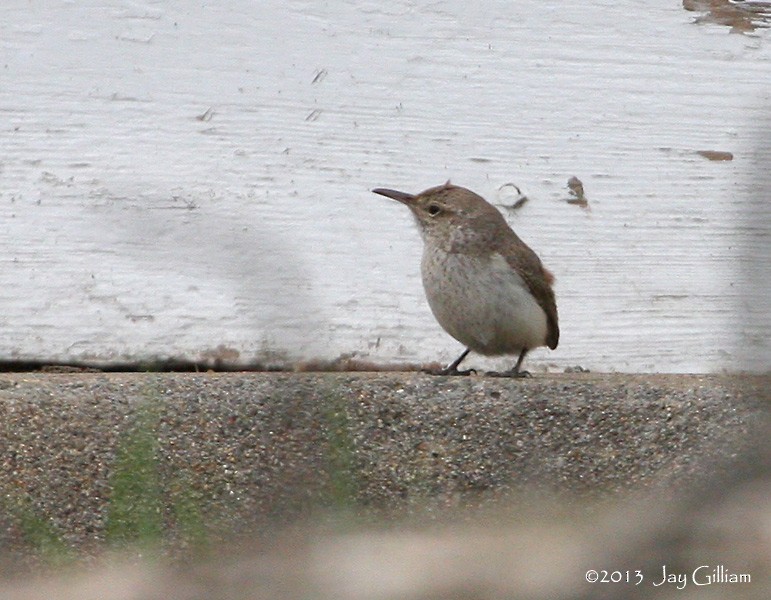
(178,177)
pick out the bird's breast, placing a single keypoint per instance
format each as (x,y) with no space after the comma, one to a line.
(482,302)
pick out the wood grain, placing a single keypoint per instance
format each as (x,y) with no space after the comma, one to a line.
(193,181)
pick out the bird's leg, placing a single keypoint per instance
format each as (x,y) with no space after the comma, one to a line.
(452,369)
(515,372)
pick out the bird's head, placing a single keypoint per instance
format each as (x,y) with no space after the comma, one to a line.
(445,211)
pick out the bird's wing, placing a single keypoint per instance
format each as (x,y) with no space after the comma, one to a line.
(538,280)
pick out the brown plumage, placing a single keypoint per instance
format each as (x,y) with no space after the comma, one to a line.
(482,281)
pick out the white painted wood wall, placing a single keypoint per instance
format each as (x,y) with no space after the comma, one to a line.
(191,180)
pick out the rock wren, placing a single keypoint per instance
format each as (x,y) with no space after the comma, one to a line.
(485,286)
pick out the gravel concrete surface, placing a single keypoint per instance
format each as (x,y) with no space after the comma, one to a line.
(264,447)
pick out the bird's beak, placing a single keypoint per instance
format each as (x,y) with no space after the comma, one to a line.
(402,197)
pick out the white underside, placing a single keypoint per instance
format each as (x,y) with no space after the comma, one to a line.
(482,303)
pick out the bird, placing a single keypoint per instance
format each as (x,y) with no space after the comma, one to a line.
(484,285)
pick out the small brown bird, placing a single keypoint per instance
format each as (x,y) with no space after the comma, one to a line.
(485,286)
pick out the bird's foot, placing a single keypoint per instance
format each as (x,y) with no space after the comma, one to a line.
(512,373)
(451,372)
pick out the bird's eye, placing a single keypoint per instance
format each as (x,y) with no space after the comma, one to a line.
(434,209)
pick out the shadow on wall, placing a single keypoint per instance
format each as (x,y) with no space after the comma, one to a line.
(752,315)
(223,277)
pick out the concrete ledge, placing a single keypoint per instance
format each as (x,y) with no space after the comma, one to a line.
(266,446)
(574,472)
